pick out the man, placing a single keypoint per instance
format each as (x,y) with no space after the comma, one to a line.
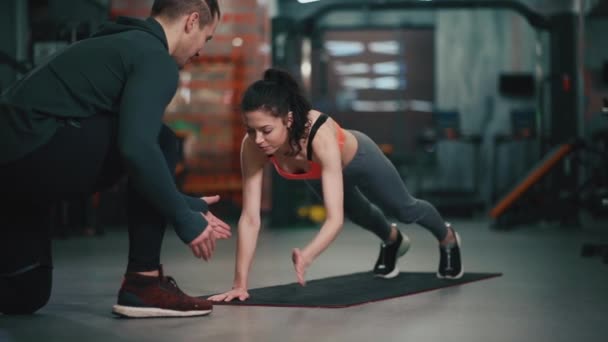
(80,121)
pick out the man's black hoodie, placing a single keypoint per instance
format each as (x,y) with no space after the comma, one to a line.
(125,70)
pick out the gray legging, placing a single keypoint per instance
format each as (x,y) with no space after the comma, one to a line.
(371,182)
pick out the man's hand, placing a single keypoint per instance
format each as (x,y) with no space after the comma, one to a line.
(204,245)
(219,227)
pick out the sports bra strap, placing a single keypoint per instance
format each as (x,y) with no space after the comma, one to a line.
(313,130)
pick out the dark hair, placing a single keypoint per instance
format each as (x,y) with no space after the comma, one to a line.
(278,93)
(173,9)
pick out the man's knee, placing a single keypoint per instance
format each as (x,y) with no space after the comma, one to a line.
(26,292)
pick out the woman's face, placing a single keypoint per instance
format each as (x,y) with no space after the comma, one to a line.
(269,133)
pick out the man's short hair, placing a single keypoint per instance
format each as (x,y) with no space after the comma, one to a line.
(208,10)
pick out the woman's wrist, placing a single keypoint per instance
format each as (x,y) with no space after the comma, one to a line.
(308,253)
(238,284)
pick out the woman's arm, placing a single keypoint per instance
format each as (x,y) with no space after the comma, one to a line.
(252,167)
(327,153)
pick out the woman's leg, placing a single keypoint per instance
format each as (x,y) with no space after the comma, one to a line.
(378,179)
(368,216)
(365,214)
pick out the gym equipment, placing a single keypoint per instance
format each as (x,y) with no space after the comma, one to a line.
(315,213)
(457,201)
(351,289)
(550,202)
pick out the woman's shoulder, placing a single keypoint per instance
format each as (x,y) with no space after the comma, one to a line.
(327,123)
(314,114)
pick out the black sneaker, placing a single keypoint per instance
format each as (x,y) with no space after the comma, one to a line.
(386,265)
(450,264)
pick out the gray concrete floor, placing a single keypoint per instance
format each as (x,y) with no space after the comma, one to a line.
(548,291)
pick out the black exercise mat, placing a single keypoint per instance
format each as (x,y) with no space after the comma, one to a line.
(352,289)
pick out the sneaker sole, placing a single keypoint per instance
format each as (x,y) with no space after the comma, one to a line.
(459,275)
(393,274)
(133,312)
(403,248)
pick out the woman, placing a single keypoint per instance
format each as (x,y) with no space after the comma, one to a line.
(345,167)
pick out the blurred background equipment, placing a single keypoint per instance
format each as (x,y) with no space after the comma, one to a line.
(464,97)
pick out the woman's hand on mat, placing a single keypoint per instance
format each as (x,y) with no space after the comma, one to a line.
(204,245)
(300,264)
(221,228)
(239,293)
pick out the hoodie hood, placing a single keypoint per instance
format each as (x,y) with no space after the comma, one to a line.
(122,24)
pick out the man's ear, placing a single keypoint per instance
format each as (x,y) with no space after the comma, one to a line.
(192,21)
